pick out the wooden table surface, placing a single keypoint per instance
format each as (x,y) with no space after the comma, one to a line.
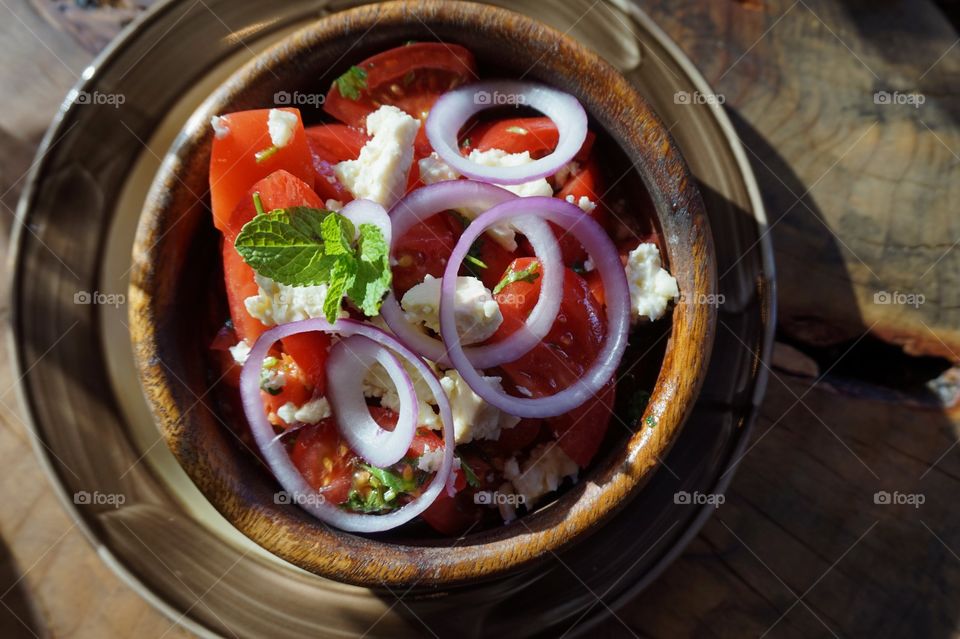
(863,200)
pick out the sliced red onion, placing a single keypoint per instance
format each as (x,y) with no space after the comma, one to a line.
(454,108)
(368,212)
(457,194)
(606,260)
(275,453)
(349,361)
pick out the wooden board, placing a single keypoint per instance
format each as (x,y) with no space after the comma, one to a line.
(877,186)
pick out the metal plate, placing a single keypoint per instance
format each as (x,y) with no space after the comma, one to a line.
(91,427)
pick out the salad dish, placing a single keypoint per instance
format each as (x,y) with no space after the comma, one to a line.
(429,312)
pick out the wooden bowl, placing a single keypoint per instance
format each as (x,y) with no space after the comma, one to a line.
(175,266)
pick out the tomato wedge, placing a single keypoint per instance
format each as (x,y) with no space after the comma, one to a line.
(424,250)
(561,358)
(234,167)
(325,460)
(329,145)
(410,77)
(538,135)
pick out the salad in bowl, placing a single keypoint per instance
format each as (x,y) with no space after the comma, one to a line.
(414,294)
(429,293)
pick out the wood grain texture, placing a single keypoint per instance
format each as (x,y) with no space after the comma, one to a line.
(800,499)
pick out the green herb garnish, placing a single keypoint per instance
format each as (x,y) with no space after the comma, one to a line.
(516,129)
(303,246)
(469,474)
(651,421)
(529,274)
(266,154)
(352,82)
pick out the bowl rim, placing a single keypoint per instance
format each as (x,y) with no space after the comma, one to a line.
(344,556)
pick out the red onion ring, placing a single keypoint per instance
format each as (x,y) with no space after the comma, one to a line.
(275,453)
(348,363)
(454,194)
(603,253)
(452,110)
(368,212)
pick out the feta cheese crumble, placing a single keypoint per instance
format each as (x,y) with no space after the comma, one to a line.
(542,473)
(431,460)
(380,172)
(377,383)
(281,125)
(220,128)
(276,304)
(313,412)
(240,352)
(473,417)
(433,169)
(651,286)
(476,313)
(585,203)
(333,205)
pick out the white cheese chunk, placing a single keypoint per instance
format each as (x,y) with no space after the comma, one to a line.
(585,203)
(240,351)
(280,304)
(651,287)
(281,125)
(476,312)
(380,172)
(333,205)
(542,473)
(220,128)
(433,169)
(378,384)
(473,417)
(313,412)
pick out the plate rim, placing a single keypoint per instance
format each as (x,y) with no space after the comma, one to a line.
(91,76)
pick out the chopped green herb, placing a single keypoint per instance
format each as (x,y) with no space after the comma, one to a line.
(390,479)
(517,130)
(651,421)
(258,203)
(578,268)
(266,154)
(528,274)
(476,261)
(466,142)
(469,474)
(409,78)
(352,82)
(302,246)
(270,362)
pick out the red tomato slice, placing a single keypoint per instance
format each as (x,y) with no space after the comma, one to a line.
(233,165)
(424,250)
(562,356)
(309,350)
(584,182)
(410,77)
(496,259)
(238,278)
(452,515)
(513,440)
(329,145)
(296,389)
(325,460)
(538,135)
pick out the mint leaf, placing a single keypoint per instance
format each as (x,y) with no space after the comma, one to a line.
(528,274)
(341,277)
(287,246)
(302,246)
(373,276)
(351,83)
